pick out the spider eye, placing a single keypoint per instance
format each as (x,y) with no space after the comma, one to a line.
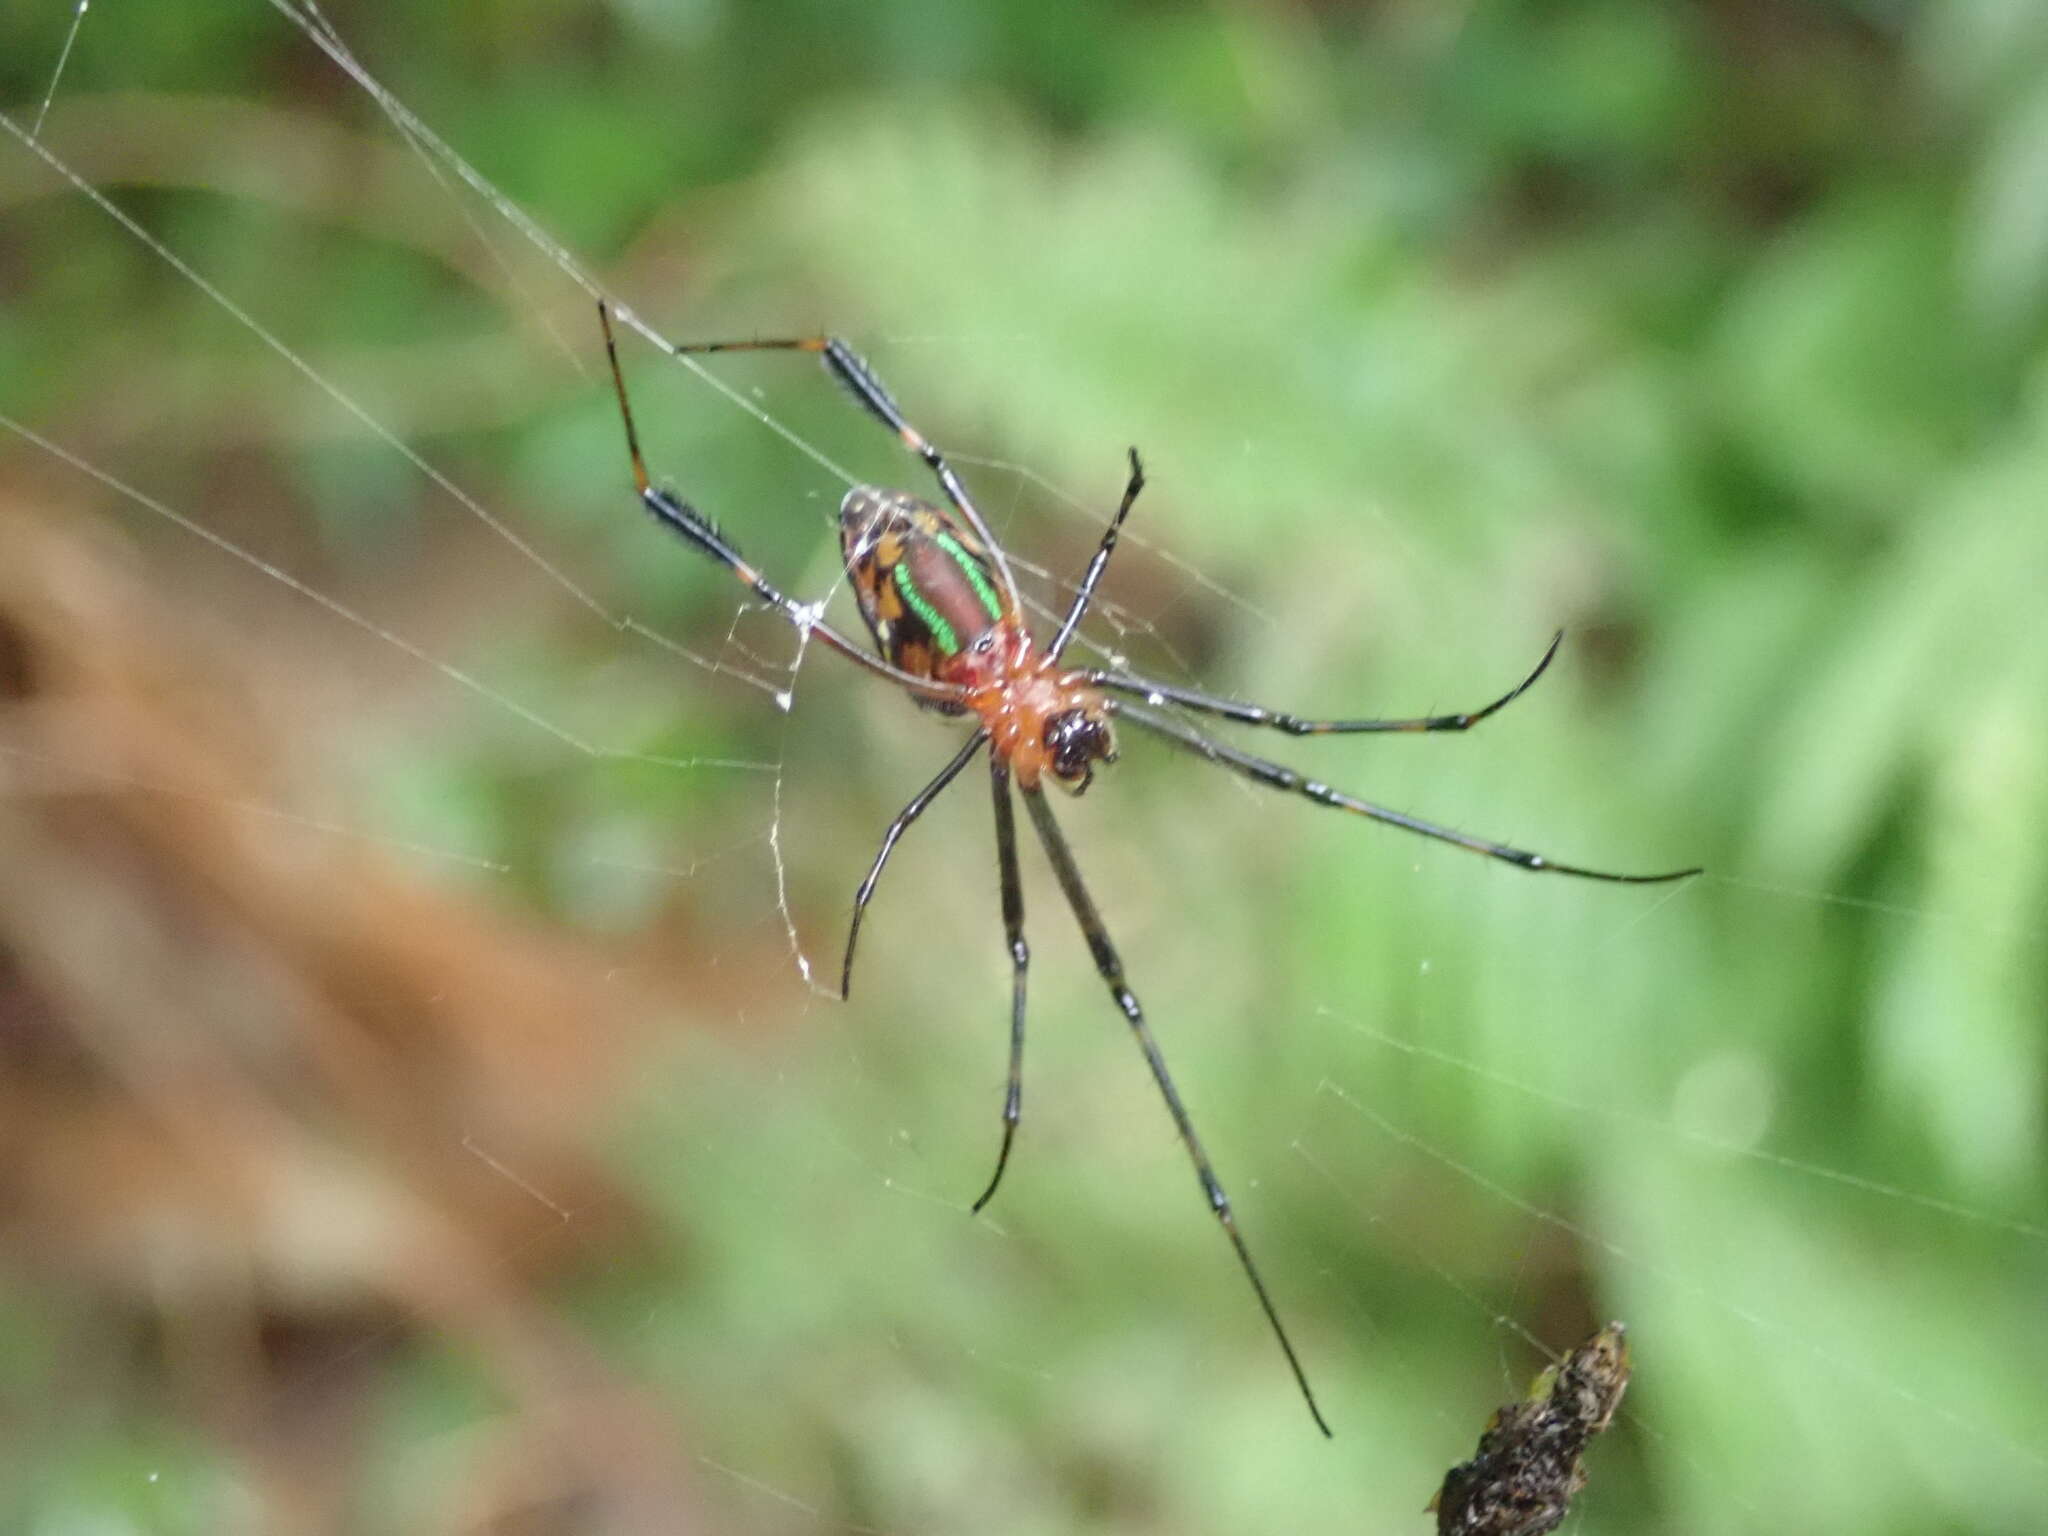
(1076,741)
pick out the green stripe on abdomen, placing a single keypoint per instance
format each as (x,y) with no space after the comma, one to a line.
(943,635)
(976,577)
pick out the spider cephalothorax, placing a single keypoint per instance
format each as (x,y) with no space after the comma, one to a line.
(937,594)
(1041,718)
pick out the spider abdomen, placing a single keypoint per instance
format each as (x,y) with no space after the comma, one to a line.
(924,583)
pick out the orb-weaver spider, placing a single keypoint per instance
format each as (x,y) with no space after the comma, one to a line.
(936,591)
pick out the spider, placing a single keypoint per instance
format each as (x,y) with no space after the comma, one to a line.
(937,594)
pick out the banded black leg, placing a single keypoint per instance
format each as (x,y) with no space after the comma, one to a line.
(680,517)
(1085,593)
(852,370)
(1295,725)
(1020,964)
(1280,776)
(1111,969)
(916,808)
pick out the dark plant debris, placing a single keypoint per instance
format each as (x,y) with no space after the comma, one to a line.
(1522,1480)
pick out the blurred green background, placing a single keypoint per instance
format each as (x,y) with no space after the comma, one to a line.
(1711,333)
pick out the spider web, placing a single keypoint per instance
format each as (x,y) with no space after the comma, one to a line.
(1303,1149)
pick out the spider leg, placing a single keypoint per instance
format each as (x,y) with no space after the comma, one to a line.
(1020,964)
(916,808)
(1085,593)
(1280,776)
(1295,725)
(1111,969)
(680,517)
(852,370)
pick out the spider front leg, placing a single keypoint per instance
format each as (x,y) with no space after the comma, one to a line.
(679,517)
(1294,725)
(1111,970)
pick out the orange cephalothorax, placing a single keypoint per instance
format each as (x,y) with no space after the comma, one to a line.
(1039,716)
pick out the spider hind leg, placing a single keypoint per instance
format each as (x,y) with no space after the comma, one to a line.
(1110,967)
